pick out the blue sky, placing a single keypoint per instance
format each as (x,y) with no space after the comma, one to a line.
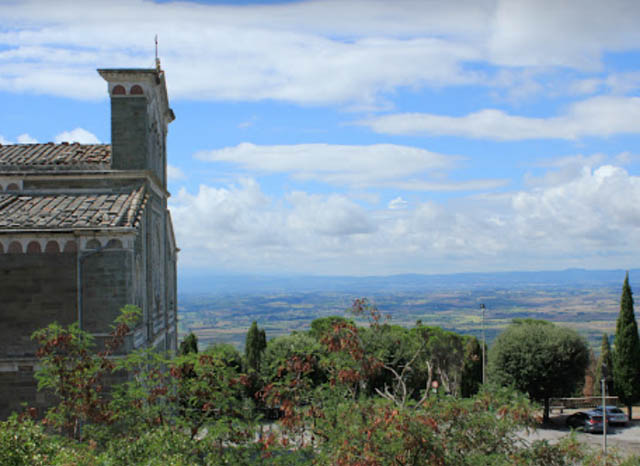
(361,137)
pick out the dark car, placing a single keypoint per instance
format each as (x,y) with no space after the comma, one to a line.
(614,415)
(589,421)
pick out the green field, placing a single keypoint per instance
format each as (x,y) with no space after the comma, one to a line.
(220,317)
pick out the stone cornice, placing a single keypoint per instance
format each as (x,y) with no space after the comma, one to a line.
(146,175)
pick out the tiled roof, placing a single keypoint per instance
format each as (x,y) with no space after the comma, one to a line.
(55,156)
(22,211)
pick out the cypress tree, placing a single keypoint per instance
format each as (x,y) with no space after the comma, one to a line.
(189,344)
(626,353)
(605,359)
(255,344)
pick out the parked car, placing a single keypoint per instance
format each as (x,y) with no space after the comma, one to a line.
(589,421)
(614,415)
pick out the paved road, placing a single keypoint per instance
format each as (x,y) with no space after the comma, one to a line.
(625,439)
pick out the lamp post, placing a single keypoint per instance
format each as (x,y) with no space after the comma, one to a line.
(484,377)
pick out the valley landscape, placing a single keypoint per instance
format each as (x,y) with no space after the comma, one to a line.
(587,301)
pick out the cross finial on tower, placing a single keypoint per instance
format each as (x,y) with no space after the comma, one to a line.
(157,58)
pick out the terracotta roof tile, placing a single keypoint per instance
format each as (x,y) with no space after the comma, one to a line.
(66,211)
(55,156)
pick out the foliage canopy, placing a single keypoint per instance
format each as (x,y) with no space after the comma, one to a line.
(539,358)
(346,395)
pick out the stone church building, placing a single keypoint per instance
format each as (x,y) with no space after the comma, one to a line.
(84,230)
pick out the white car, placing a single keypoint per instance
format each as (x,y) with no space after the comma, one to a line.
(614,415)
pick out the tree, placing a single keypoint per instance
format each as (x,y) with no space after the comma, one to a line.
(323,325)
(254,346)
(604,360)
(69,367)
(227,353)
(189,344)
(472,367)
(540,359)
(626,353)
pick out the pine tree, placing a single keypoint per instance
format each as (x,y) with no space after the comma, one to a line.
(255,344)
(605,359)
(626,354)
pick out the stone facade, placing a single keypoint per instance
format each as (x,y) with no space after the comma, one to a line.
(85,230)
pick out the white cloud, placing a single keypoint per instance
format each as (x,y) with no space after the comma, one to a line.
(589,219)
(77,135)
(3,140)
(623,83)
(615,83)
(175,173)
(26,139)
(305,53)
(332,215)
(534,33)
(626,158)
(314,52)
(564,169)
(239,226)
(599,116)
(585,86)
(592,213)
(397,203)
(387,165)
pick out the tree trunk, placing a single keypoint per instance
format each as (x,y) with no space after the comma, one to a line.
(545,416)
(630,411)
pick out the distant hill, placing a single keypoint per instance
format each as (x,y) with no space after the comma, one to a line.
(197,281)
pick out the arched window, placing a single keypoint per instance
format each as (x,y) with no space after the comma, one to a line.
(93,244)
(13,187)
(71,246)
(136,90)
(52,247)
(34,248)
(15,247)
(114,244)
(118,90)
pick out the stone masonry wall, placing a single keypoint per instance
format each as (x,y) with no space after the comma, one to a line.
(106,287)
(129,128)
(36,289)
(20,387)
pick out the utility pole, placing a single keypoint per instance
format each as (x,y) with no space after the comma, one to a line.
(484,344)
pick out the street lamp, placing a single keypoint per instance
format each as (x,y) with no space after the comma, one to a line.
(484,377)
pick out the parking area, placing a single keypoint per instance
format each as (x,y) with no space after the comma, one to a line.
(626,439)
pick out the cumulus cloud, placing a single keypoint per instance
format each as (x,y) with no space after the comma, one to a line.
(175,173)
(77,135)
(306,52)
(580,220)
(599,116)
(593,210)
(332,215)
(239,226)
(3,140)
(564,169)
(26,139)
